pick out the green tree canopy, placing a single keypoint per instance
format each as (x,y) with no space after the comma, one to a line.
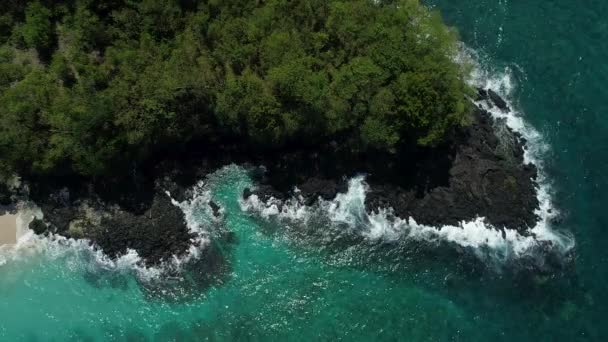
(86,86)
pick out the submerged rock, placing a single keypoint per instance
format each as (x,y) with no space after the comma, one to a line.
(497,100)
(215,208)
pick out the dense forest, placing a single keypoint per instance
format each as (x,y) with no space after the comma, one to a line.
(87,86)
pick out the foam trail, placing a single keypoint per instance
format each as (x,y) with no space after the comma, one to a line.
(55,247)
(291,209)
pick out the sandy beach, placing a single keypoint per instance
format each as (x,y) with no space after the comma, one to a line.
(8,229)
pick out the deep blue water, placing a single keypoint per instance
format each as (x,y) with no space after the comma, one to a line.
(290,280)
(558,52)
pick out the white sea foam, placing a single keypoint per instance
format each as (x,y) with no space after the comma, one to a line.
(349,209)
(291,209)
(503,83)
(54,247)
(198,218)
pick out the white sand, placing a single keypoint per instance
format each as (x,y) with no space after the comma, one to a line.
(8,229)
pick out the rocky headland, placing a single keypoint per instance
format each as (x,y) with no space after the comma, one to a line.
(478,171)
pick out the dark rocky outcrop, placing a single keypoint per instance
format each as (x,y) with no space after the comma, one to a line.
(492,99)
(38,226)
(157,233)
(215,209)
(5,195)
(479,171)
(487,177)
(497,100)
(324,188)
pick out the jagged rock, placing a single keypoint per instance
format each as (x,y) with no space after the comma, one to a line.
(497,100)
(215,208)
(265,192)
(38,226)
(177,192)
(247,193)
(157,234)
(482,94)
(326,189)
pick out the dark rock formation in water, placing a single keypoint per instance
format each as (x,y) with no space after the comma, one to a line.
(492,99)
(158,233)
(487,177)
(479,171)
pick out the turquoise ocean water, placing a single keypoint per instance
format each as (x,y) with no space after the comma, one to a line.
(332,277)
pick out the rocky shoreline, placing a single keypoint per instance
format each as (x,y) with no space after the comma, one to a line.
(156,234)
(479,171)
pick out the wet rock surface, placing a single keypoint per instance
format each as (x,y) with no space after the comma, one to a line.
(497,100)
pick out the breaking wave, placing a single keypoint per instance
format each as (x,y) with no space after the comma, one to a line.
(535,147)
